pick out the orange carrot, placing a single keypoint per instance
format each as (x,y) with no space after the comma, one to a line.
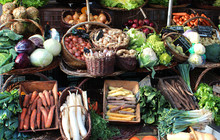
(51,100)
(47,96)
(44,113)
(43,99)
(33,106)
(203,15)
(33,96)
(180,14)
(50,117)
(23,113)
(32,120)
(26,122)
(26,100)
(39,104)
(206,22)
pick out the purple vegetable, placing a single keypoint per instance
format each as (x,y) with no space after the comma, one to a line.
(22,61)
(25,46)
(38,40)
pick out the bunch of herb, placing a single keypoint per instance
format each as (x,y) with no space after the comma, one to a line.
(175,121)
(9,109)
(152,103)
(27,3)
(101,129)
(208,100)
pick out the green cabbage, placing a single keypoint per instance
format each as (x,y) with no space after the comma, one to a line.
(7,58)
(126,4)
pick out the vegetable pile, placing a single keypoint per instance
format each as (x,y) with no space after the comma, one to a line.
(175,121)
(73,118)
(82,17)
(209,101)
(125,4)
(75,43)
(37,110)
(121,104)
(9,110)
(152,103)
(28,3)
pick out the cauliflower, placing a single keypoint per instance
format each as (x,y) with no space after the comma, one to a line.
(195,60)
(147,58)
(199,49)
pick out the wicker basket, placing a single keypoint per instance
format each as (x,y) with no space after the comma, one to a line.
(177,57)
(62,99)
(100,66)
(26,34)
(217,83)
(93,11)
(67,57)
(126,63)
(93,35)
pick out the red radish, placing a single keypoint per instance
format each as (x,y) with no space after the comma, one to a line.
(146,22)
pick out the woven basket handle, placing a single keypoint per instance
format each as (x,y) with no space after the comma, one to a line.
(84,23)
(164,36)
(149,27)
(14,76)
(23,20)
(198,17)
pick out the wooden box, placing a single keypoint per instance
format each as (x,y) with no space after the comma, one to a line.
(39,86)
(129,85)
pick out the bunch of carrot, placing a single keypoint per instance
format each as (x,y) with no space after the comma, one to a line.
(38,110)
(180,18)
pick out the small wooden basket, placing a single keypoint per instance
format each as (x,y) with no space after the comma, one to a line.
(62,99)
(177,57)
(67,57)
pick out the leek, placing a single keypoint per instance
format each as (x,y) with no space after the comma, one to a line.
(184,72)
(175,121)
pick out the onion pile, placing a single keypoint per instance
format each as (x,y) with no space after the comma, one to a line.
(76,45)
(82,17)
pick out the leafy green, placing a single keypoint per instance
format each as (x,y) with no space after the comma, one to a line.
(7,58)
(137,38)
(208,100)
(126,4)
(156,44)
(5,1)
(9,109)
(213,53)
(100,128)
(216,3)
(152,103)
(162,2)
(34,3)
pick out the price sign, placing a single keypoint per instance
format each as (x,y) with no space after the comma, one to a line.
(204,31)
(181,41)
(179,29)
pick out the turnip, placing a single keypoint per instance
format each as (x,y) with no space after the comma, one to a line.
(5,18)
(20,13)
(8,7)
(18,27)
(32,13)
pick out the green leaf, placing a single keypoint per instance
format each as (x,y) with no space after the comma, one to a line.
(12,124)
(150,120)
(3,38)
(11,35)
(5,114)
(8,134)
(2,129)
(6,67)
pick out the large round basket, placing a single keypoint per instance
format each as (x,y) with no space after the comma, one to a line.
(177,57)
(92,11)
(62,100)
(67,57)
(123,9)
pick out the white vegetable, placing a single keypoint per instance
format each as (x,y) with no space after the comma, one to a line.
(192,36)
(81,126)
(65,120)
(85,101)
(195,59)
(180,136)
(83,110)
(74,130)
(199,49)
(53,46)
(41,58)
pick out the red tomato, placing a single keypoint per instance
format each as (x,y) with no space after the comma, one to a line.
(134,138)
(149,138)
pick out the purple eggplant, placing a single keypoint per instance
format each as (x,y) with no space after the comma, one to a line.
(22,61)
(25,46)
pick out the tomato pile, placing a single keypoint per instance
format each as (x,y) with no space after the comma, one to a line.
(76,45)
